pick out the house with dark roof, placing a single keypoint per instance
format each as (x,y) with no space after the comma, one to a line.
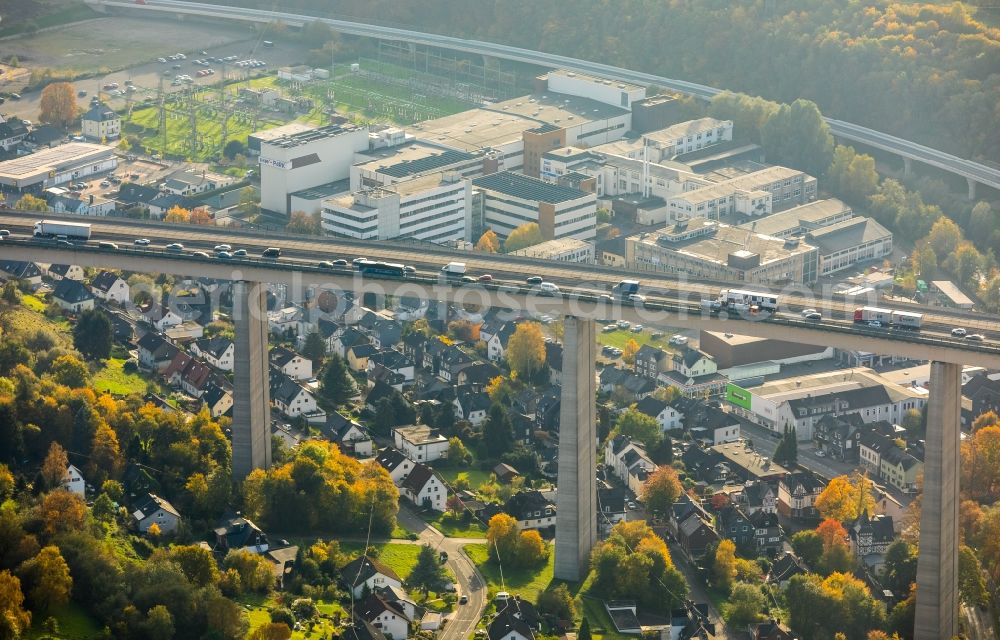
(378,391)
(505,473)
(27,272)
(386,616)
(786,567)
(839,435)
(507,626)
(532,510)
(394,362)
(73,296)
(424,488)
(59,271)
(358,355)
(770,630)
(759,495)
(397,464)
(472,406)
(156,351)
(756,534)
(982,391)
(161,317)
(110,287)
(164,202)
(350,435)
(218,399)
(651,361)
(217,351)
(289,396)
(153,510)
(360,629)
(44,135)
(870,537)
(797,493)
(237,533)
(100,122)
(496,346)
(706,421)
(612,503)
(478,374)
(553,360)
(12,132)
(365,572)
(135,195)
(665,415)
(290,363)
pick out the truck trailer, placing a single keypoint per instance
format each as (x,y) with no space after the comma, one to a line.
(56,228)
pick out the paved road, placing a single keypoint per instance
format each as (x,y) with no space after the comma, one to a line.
(698,593)
(765,442)
(462,622)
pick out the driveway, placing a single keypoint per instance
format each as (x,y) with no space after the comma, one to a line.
(462,622)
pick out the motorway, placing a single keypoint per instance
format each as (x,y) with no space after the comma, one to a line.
(666,295)
(980,173)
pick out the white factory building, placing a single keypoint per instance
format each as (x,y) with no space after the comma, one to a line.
(307,159)
(510,200)
(50,167)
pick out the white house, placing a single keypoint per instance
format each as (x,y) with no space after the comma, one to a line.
(60,271)
(100,122)
(110,287)
(387,616)
(665,415)
(290,397)
(155,510)
(72,296)
(398,465)
(73,481)
(161,317)
(291,364)
(424,488)
(420,443)
(218,352)
(622,455)
(368,572)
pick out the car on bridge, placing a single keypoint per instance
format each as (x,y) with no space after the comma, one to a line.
(174,246)
(958,332)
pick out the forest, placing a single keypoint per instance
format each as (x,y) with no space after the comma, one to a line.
(927,72)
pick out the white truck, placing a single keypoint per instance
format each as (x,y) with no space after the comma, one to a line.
(453,271)
(55,228)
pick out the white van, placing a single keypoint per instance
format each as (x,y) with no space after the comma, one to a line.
(548,288)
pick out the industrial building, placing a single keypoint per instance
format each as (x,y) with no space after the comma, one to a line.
(389,165)
(562,250)
(55,166)
(754,194)
(305,160)
(509,200)
(255,139)
(712,250)
(434,207)
(802,219)
(741,357)
(844,244)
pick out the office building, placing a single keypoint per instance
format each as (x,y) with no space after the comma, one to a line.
(563,250)
(800,220)
(754,194)
(683,137)
(55,166)
(844,244)
(390,165)
(307,159)
(510,200)
(434,207)
(711,250)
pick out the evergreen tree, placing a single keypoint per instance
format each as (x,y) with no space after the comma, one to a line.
(428,574)
(336,384)
(92,335)
(314,348)
(498,432)
(584,632)
(787,451)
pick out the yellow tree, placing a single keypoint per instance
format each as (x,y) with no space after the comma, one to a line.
(14,620)
(58,104)
(48,579)
(724,564)
(845,498)
(200,215)
(526,350)
(177,213)
(488,242)
(28,202)
(526,235)
(628,353)
(502,537)
(55,465)
(661,489)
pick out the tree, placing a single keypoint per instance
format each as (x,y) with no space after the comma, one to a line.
(661,490)
(787,451)
(808,546)
(304,223)
(724,565)
(982,223)
(584,631)
(464,330)
(70,371)
(944,238)
(746,602)
(336,384)
(836,553)
(6,483)
(233,148)
(852,176)
(971,584)
(428,574)
(925,261)
(531,549)
(314,348)
(54,467)
(93,334)
(798,137)
(842,498)
(177,214)
(498,432)
(638,426)
(249,203)
(488,242)
(271,631)
(28,202)
(254,569)
(557,602)
(839,601)
(526,235)
(628,353)
(159,623)
(14,620)
(457,453)
(634,563)
(526,350)
(197,563)
(105,454)
(201,215)
(502,538)
(46,579)
(58,104)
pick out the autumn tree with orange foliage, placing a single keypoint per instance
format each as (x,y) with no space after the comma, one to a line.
(177,214)
(836,552)
(58,104)
(844,498)
(61,511)
(981,463)
(526,350)
(488,242)
(839,601)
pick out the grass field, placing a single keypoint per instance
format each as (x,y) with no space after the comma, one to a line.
(527,583)
(476,475)
(25,321)
(322,627)
(74,624)
(619,337)
(113,379)
(457,528)
(401,558)
(33,302)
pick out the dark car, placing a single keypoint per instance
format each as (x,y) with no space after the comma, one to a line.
(325,264)
(340,262)
(271,252)
(533,279)
(486,278)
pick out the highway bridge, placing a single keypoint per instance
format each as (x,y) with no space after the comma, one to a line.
(974,172)
(582,301)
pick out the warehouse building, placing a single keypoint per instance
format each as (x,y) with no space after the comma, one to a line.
(55,166)
(844,244)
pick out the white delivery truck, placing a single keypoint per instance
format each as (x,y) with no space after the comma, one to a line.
(453,271)
(55,228)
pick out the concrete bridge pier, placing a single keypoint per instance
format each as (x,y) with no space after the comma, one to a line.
(937,564)
(972,188)
(576,501)
(251,388)
(907,167)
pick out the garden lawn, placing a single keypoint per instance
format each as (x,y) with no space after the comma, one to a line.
(528,583)
(619,337)
(74,624)
(399,557)
(457,527)
(258,615)
(476,475)
(113,379)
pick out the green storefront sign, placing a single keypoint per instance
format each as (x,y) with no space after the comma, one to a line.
(737,396)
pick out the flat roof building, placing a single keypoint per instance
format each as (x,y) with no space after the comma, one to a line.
(510,200)
(801,219)
(390,165)
(56,165)
(716,251)
(754,194)
(563,250)
(843,244)
(255,139)
(686,137)
(953,296)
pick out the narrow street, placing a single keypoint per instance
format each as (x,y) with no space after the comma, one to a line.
(698,592)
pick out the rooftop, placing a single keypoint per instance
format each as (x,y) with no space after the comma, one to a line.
(726,240)
(554,247)
(810,214)
(279,132)
(527,188)
(53,159)
(752,461)
(299,138)
(627,86)
(414,158)
(683,129)
(827,382)
(847,233)
(324,190)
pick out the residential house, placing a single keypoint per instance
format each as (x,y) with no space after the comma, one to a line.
(786,567)
(706,421)
(370,573)
(73,481)
(358,355)
(12,132)
(237,533)
(507,626)
(759,496)
(532,510)
(378,391)
(496,346)
(195,378)
(290,397)
(27,272)
(413,347)
(706,465)
(218,399)
(151,510)
(284,321)
(60,271)
(425,488)
(621,455)
(383,332)
(349,435)
(838,436)
(164,202)
(290,363)
(131,195)
(73,296)
(160,317)
(44,135)
(612,502)
(693,363)
(797,493)
(100,122)
(770,630)
(360,629)
(330,331)
(664,414)
(553,360)
(651,361)
(870,537)
(385,616)
(505,473)
(156,351)
(398,465)
(421,443)
(982,391)
(884,457)
(393,362)
(110,287)
(472,406)
(217,351)
(695,535)
(122,327)
(759,533)
(345,338)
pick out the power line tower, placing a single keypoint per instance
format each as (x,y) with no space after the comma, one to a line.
(226,111)
(193,124)
(160,98)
